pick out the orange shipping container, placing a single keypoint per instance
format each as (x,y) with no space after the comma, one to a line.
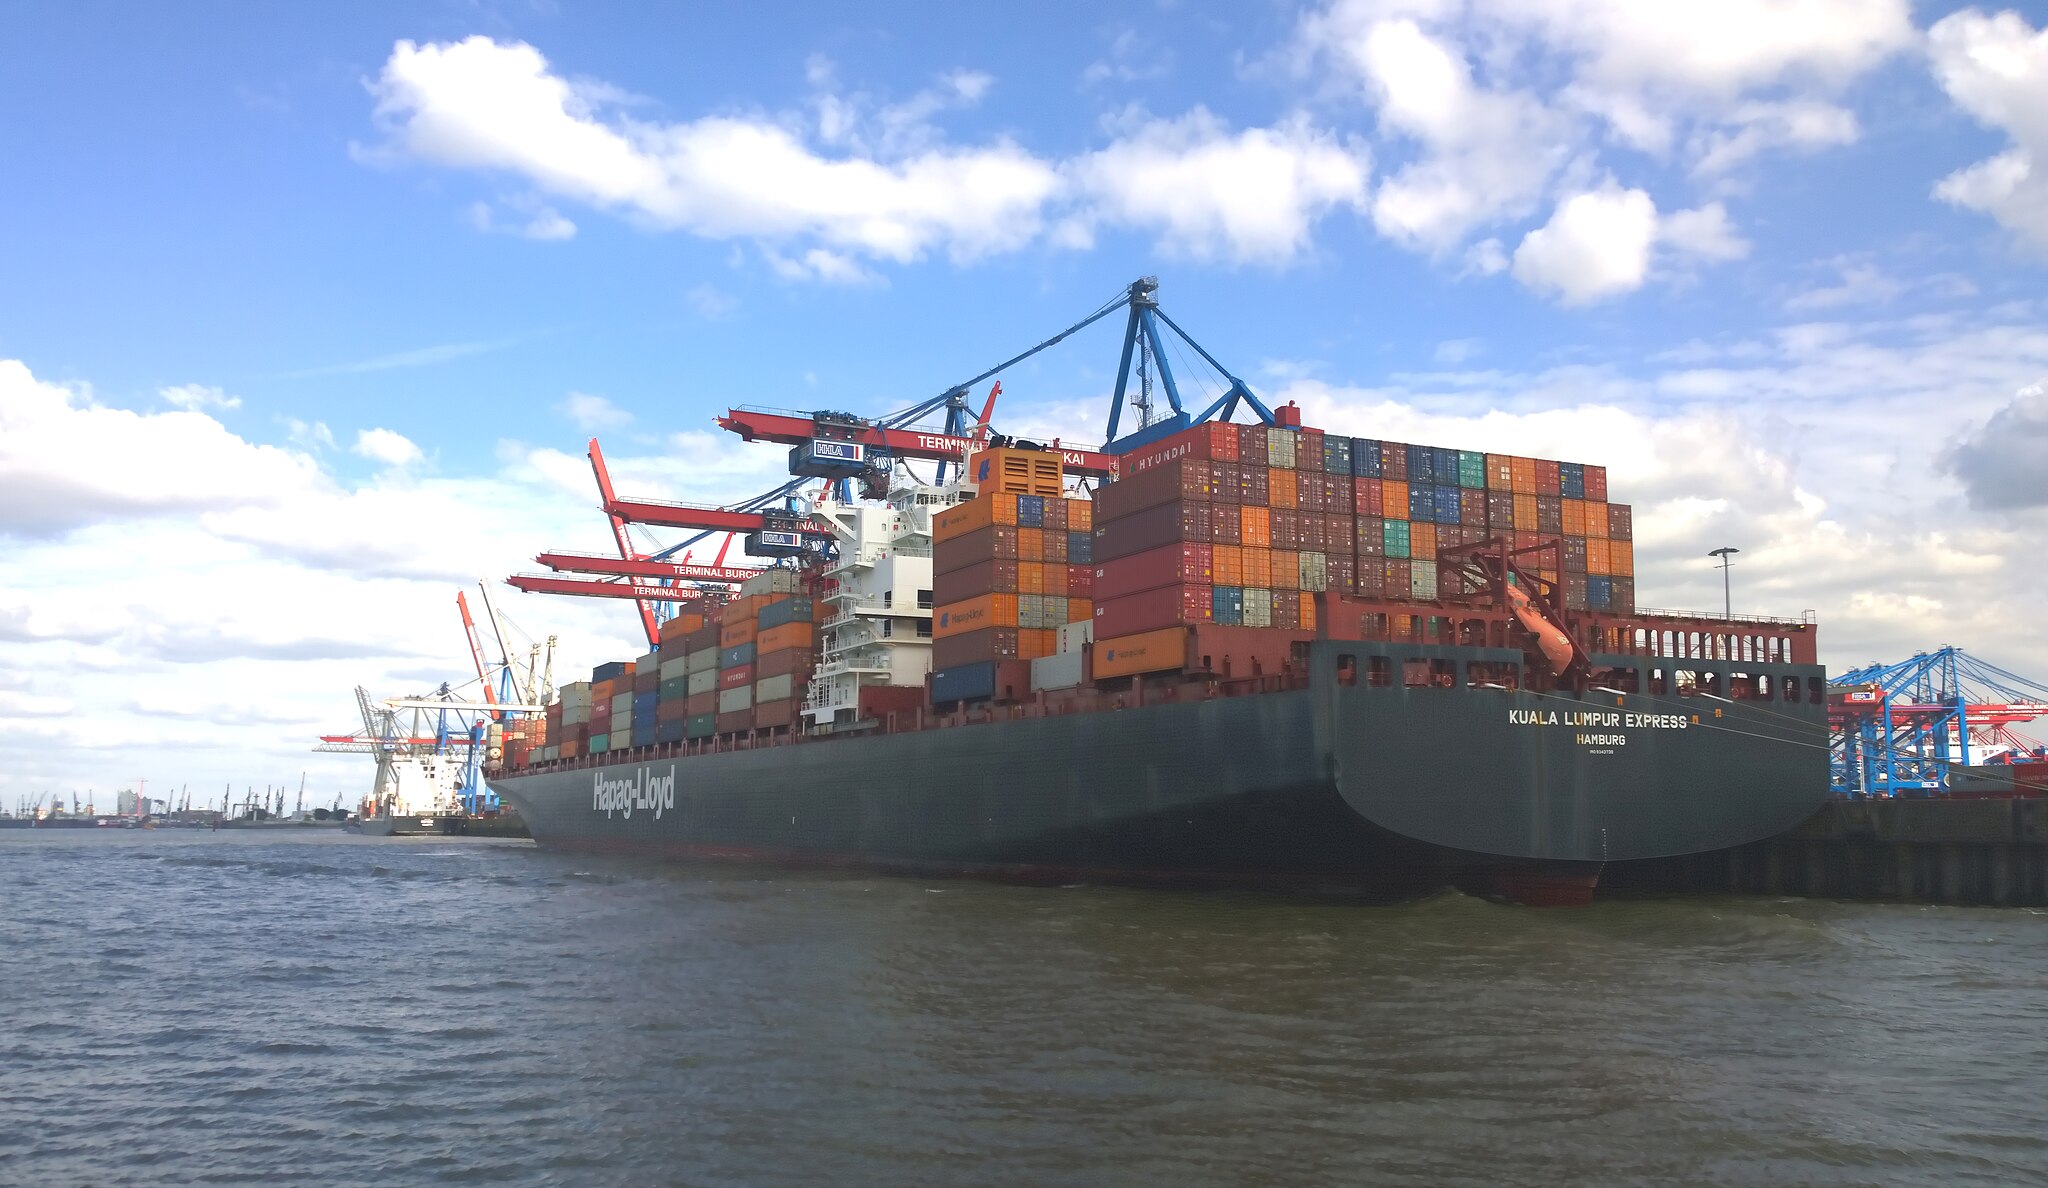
(1599,556)
(1422,541)
(1030,544)
(1226,564)
(1525,512)
(789,635)
(1596,518)
(735,632)
(1394,498)
(1574,517)
(1621,558)
(975,614)
(1037,642)
(1080,515)
(1258,525)
(1258,568)
(1525,476)
(1500,472)
(1031,577)
(1080,610)
(1308,611)
(1283,489)
(1151,651)
(1284,570)
(974,515)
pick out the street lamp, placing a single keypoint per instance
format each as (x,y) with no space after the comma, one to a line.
(1725,553)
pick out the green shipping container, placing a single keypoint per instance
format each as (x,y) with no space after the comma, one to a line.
(702,725)
(1395,533)
(600,742)
(1472,470)
(675,689)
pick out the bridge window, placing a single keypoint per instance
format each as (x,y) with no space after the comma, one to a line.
(1685,681)
(1489,674)
(1789,688)
(1379,672)
(1347,671)
(1712,683)
(1816,690)
(1414,673)
(1660,682)
(1620,680)
(1443,674)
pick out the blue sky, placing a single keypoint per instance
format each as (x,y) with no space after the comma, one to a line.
(311,308)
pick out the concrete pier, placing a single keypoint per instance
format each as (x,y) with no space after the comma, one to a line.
(1990,852)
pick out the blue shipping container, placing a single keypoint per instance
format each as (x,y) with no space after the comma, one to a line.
(645,701)
(1571,479)
(964,682)
(1226,604)
(1080,548)
(673,731)
(1421,501)
(1365,457)
(605,672)
(1599,593)
(736,657)
(1030,511)
(1446,505)
(1421,464)
(1446,465)
(789,610)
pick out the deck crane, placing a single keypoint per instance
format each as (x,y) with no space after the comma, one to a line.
(476,653)
(1898,729)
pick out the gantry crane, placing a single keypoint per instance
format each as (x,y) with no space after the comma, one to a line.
(1897,729)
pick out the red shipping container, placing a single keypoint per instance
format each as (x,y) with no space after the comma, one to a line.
(995,542)
(734,678)
(736,722)
(1620,522)
(1169,523)
(973,647)
(1173,565)
(1223,482)
(1167,606)
(1369,538)
(1315,535)
(1547,479)
(1343,569)
(1210,441)
(1308,449)
(988,577)
(877,702)
(1188,480)
(1472,508)
(771,714)
(702,703)
(797,662)
(1080,581)
(1366,497)
(1596,484)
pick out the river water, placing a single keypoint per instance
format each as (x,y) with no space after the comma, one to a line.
(311,1007)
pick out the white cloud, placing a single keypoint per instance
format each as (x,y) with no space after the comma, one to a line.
(592,413)
(264,571)
(1596,245)
(1492,109)
(198,397)
(388,447)
(1704,233)
(1862,282)
(711,302)
(1996,68)
(1248,196)
(310,435)
(860,182)
(544,223)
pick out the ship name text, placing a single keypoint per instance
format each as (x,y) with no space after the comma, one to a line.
(642,790)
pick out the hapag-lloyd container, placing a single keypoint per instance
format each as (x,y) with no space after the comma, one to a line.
(1151,651)
(975,614)
(1170,565)
(1150,610)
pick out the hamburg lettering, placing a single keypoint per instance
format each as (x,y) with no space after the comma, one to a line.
(642,790)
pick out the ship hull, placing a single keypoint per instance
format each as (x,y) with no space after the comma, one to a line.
(1340,786)
(431,825)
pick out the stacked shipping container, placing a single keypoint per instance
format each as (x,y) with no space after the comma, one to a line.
(1010,570)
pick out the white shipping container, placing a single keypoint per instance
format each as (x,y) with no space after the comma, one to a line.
(1055,611)
(1030,612)
(671,669)
(1422,579)
(574,692)
(778,580)
(1315,572)
(1076,636)
(1258,607)
(775,688)
(704,661)
(651,662)
(1280,449)
(1057,672)
(703,682)
(733,700)
(572,714)
(622,721)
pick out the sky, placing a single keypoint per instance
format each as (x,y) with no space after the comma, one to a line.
(306,312)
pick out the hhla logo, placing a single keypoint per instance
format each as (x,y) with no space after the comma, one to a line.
(641,790)
(945,618)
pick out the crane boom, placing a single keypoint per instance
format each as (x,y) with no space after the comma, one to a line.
(619,537)
(540,583)
(794,428)
(645,567)
(476,650)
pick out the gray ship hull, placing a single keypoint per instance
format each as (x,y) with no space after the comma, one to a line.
(1338,786)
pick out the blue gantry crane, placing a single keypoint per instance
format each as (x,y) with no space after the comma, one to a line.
(1898,729)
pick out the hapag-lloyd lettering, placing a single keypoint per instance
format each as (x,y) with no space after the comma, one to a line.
(642,790)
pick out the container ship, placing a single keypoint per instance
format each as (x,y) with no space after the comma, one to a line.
(1252,655)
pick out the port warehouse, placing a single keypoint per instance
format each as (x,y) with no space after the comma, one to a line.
(1203,570)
